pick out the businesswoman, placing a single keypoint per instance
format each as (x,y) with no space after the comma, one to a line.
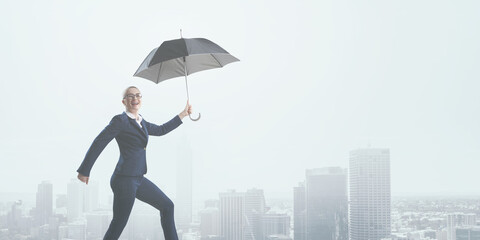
(131,132)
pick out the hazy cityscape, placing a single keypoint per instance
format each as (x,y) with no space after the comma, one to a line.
(330,203)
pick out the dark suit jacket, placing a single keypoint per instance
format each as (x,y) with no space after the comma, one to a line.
(132,142)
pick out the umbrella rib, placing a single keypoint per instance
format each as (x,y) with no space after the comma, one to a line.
(159,70)
(216,60)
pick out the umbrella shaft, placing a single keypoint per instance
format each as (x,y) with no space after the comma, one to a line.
(185,71)
(186,85)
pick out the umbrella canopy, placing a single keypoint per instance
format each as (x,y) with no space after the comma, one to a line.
(182,57)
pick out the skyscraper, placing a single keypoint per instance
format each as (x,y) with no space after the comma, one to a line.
(44,203)
(210,222)
(254,210)
(326,204)
(75,200)
(14,217)
(370,197)
(183,203)
(455,220)
(299,212)
(91,196)
(232,215)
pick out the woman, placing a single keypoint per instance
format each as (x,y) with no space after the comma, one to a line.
(131,132)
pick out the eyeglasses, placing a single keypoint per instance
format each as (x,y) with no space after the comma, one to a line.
(132,96)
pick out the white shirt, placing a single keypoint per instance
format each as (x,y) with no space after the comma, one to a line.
(137,119)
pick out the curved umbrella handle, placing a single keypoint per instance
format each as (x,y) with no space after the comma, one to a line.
(195,119)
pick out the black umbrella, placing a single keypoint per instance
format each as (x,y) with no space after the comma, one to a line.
(182,57)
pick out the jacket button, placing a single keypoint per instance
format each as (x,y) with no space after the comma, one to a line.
(144,148)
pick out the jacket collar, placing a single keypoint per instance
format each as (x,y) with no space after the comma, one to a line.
(133,121)
(139,117)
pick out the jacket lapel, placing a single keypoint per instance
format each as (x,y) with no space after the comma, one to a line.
(144,128)
(141,130)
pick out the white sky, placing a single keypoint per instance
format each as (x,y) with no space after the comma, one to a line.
(316,79)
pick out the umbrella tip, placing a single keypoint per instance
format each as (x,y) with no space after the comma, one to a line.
(181,33)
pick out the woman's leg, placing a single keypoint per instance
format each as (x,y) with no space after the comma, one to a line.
(151,194)
(124,191)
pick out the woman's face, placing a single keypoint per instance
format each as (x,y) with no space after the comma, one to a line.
(132,100)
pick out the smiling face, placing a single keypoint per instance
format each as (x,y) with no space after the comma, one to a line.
(132,99)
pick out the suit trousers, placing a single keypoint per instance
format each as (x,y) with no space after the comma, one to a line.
(125,190)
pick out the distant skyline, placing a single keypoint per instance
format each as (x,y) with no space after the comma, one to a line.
(435,218)
(316,79)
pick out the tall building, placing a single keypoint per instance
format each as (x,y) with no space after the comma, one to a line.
(210,222)
(75,200)
(232,215)
(14,217)
(370,196)
(299,212)
(326,204)
(254,211)
(455,220)
(91,196)
(44,203)
(183,201)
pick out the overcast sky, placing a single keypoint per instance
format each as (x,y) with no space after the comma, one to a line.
(315,80)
